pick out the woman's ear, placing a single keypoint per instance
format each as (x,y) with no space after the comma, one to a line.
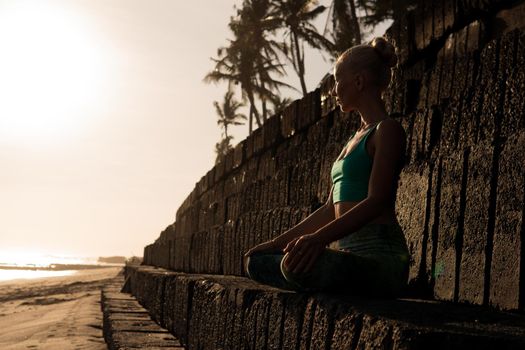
(359,81)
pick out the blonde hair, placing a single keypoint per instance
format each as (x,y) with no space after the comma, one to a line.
(377,57)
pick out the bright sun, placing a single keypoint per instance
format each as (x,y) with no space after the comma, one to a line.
(50,72)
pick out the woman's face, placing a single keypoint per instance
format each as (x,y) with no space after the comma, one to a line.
(345,88)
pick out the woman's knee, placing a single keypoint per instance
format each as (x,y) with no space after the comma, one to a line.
(252,265)
(260,266)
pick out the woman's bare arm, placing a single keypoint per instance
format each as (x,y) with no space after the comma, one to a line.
(312,223)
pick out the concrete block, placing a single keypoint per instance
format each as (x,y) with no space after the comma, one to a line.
(439,18)
(219,170)
(411,206)
(375,333)
(276,327)
(227,247)
(419,32)
(322,327)
(263,304)
(238,154)
(451,116)
(305,338)
(295,305)
(347,328)
(327,101)
(272,131)
(449,14)
(506,275)
(476,224)
(513,113)
(143,339)
(418,136)
(450,226)
(434,83)
(258,140)
(230,310)
(169,305)
(229,161)
(245,299)
(289,120)
(184,290)
(428,22)
(309,109)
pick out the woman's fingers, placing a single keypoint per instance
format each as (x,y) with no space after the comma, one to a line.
(290,245)
(312,261)
(302,262)
(296,254)
(302,256)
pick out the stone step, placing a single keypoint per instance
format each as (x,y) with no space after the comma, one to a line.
(229,312)
(127,325)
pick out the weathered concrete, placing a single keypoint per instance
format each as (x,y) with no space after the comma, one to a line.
(127,325)
(228,312)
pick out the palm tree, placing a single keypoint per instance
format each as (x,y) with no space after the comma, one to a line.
(296,16)
(251,57)
(279,104)
(227,112)
(346,30)
(348,20)
(377,11)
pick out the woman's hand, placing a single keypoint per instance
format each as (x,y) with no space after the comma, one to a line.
(302,252)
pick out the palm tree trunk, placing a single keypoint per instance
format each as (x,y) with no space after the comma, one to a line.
(264,109)
(355,23)
(250,122)
(300,63)
(253,108)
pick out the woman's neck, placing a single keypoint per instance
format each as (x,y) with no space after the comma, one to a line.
(372,110)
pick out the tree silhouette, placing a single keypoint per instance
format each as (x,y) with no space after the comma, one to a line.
(251,57)
(297,17)
(228,112)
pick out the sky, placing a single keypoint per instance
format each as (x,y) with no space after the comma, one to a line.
(105,121)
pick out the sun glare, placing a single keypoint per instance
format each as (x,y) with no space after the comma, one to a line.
(50,69)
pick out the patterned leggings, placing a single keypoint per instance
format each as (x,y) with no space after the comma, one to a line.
(371,261)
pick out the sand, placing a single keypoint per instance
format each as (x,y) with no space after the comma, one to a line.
(54,312)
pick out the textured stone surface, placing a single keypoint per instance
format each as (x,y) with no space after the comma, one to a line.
(476,224)
(229,312)
(126,325)
(506,275)
(450,227)
(411,212)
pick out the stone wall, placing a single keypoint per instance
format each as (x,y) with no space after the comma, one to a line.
(210,312)
(458,92)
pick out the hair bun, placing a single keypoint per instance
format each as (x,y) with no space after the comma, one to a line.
(386,51)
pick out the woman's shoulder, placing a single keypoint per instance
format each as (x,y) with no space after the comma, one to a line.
(390,128)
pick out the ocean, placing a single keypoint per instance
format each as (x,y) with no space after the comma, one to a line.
(31,266)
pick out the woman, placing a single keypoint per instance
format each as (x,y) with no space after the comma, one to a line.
(353,243)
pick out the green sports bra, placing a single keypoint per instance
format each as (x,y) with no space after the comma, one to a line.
(350,175)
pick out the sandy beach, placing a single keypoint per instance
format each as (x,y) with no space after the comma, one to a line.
(55,312)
